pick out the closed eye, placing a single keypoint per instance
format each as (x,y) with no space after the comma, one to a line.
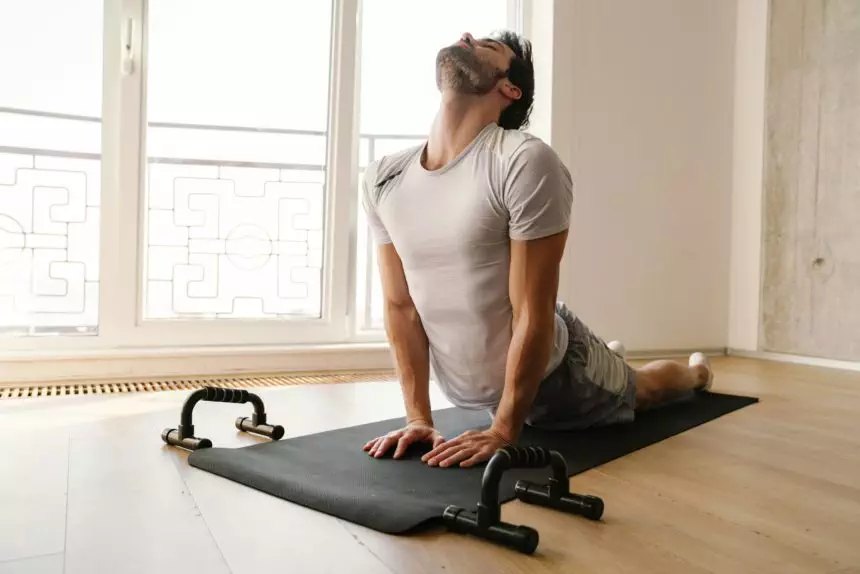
(491,44)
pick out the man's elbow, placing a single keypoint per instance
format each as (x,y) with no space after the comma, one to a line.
(535,320)
(402,308)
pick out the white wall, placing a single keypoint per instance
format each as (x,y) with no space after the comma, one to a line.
(749,121)
(549,78)
(643,114)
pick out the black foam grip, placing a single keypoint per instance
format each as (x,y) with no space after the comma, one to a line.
(527,457)
(219,395)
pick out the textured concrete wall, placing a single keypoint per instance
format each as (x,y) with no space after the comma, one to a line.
(811,271)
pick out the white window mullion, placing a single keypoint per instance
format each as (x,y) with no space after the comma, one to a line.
(120,170)
(515,15)
(524,17)
(342,161)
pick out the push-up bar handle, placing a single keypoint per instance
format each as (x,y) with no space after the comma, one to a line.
(513,457)
(217,395)
(183,435)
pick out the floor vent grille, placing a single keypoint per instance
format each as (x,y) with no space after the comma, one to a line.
(34,390)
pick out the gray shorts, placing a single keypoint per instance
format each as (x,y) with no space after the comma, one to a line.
(592,386)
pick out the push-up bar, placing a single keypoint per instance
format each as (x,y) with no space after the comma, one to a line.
(486,522)
(183,435)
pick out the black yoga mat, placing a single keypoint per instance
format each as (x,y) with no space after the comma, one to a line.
(330,472)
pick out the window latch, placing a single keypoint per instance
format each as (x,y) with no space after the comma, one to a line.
(128,47)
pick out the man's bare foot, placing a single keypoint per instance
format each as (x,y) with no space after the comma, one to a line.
(618,348)
(701,365)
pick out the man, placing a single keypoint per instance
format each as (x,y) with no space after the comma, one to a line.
(471,228)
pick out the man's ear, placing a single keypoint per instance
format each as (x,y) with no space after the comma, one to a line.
(511,91)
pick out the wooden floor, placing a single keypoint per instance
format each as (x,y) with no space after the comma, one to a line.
(87,486)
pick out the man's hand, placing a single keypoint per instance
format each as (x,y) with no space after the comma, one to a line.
(410,434)
(468,449)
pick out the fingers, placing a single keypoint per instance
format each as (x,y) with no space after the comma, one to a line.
(403,444)
(374,445)
(442,447)
(383,445)
(403,438)
(438,440)
(379,446)
(414,435)
(468,449)
(453,456)
(477,458)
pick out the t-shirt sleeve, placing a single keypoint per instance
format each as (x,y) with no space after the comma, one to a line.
(538,192)
(368,201)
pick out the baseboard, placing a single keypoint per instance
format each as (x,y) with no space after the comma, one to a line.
(198,361)
(796,359)
(673,353)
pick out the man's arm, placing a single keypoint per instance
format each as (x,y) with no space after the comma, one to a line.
(533,290)
(538,193)
(406,336)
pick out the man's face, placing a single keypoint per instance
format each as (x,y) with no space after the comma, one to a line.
(472,66)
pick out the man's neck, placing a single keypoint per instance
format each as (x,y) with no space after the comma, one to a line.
(458,122)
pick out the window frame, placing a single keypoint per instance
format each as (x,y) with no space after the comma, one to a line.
(121,321)
(184,332)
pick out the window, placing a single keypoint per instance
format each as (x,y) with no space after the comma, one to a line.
(50,169)
(222,207)
(236,150)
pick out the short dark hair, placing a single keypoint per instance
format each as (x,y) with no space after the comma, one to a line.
(521,74)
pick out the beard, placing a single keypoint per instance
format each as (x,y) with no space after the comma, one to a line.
(460,70)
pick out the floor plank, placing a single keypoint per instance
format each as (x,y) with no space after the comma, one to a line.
(50,564)
(255,531)
(33,494)
(129,510)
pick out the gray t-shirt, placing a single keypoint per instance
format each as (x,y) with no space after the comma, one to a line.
(452,229)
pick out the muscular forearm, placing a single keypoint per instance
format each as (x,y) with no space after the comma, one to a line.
(412,359)
(528,356)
